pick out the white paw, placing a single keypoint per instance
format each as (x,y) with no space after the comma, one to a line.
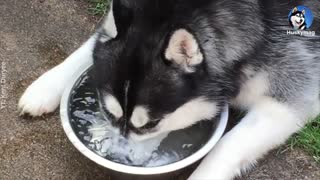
(43,95)
(212,173)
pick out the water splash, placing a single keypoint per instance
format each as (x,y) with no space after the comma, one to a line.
(107,140)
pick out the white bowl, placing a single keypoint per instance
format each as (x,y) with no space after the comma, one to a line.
(219,130)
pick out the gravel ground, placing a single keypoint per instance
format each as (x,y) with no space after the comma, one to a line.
(35,35)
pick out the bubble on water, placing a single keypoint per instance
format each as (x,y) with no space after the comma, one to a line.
(84,102)
(83,122)
(90,100)
(87,138)
(86,115)
(79,114)
(77,99)
(185,146)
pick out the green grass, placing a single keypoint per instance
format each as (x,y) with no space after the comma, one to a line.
(308,139)
(98,7)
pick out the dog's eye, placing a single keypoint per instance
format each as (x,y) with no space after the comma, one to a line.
(151,124)
(147,128)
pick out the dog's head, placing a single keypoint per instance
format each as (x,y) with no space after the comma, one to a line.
(297,18)
(154,72)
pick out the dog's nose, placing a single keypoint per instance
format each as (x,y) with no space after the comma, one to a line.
(123,125)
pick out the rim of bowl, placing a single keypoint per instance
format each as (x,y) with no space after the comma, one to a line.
(221,126)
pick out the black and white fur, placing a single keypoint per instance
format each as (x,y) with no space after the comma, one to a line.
(181,60)
(297,19)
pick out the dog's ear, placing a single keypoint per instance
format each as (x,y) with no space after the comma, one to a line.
(304,12)
(122,15)
(295,9)
(183,50)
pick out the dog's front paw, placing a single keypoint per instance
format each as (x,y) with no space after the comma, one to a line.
(43,95)
(217,165)
(212,172)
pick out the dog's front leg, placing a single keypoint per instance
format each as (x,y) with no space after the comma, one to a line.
(44,94)
(267,125)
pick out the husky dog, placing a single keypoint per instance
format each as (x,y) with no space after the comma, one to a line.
(164,65)
(297,19)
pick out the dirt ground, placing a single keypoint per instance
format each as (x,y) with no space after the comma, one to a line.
(35,35)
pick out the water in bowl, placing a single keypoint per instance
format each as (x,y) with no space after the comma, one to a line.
(98,134)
